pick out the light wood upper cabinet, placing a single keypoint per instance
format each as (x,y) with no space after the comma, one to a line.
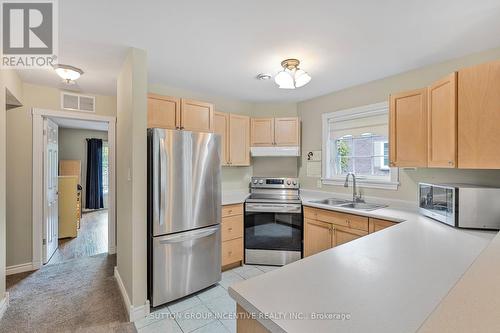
(221,127)
(197,116)
(442,123)
(286,131)
(163,112)
(408,129)
(318,236)
(479,116)
(267,132)
(262,132)
(239,140)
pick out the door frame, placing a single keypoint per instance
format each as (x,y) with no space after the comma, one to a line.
(37,199)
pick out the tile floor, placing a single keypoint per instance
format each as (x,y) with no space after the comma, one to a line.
(208,311)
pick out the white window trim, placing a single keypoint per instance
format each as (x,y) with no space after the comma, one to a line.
(348,114)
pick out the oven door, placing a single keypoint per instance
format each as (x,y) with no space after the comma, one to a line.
(273,233)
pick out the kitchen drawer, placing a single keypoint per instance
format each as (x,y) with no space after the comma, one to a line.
(377,224)
(232,227)
(341,219)
(230,210)
(232,251)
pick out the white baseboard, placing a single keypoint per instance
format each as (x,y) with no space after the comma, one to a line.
(4,304)
(14,269)
(134,312)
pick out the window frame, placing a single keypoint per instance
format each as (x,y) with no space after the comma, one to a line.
(370,110)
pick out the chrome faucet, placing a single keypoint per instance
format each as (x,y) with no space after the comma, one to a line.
(355,197)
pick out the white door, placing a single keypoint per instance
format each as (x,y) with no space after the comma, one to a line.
(50,185)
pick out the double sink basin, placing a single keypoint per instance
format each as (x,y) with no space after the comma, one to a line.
(349,204)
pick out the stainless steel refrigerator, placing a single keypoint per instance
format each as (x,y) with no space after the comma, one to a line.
(184,213)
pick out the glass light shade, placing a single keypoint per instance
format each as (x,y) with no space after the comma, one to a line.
(284,80)
(301,78)
(68,74)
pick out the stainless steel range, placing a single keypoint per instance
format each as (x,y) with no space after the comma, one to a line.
(273,222)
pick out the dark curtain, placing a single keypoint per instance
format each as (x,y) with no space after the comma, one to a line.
(93,196)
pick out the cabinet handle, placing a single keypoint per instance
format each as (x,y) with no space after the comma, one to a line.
(450,162)
(230,211)
(230,229)
(230,252)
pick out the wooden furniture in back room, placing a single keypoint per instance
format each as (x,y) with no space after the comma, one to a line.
(68,214)
(73,168)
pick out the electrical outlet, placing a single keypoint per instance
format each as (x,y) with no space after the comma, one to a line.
(319,184)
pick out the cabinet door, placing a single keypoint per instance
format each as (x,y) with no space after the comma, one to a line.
(442,123)
(408,129)
(341,236)
(221,127)
(239,140)
(262,132)
(163,112)
(479,116)
(197,116)
(318,236)
(287,131)
(377,224)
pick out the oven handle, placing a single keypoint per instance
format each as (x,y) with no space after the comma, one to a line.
(273,208)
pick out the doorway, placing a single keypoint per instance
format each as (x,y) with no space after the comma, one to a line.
(73,191)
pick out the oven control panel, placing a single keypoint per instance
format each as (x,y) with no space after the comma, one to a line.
(265,182)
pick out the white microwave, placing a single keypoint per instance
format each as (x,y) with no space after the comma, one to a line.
(461,205)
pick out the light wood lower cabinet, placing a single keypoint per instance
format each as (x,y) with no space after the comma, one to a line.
(232,235)
(324,229)
(245,323)
(377,224)
(318,236)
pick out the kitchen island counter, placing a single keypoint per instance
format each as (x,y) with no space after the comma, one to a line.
(388,281)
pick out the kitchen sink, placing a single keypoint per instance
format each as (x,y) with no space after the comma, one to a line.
(332,202)
(349,204)
(362,206)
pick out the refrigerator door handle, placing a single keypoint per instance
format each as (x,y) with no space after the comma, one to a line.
(162,180)
(190,235)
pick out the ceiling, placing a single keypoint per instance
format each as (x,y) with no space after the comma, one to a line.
(218,47)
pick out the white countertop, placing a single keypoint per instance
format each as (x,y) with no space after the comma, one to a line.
(234,197)
(389,281)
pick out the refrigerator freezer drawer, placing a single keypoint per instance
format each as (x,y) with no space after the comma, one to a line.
(185,263)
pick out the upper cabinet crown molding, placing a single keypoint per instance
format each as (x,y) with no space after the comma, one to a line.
(408,129)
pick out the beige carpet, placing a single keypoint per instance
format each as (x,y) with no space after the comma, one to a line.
(79,295)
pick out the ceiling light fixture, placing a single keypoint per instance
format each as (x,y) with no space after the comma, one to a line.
(68,73)
(291,76)
(264,76)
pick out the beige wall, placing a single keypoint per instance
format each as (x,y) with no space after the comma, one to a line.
(73,146)
(377,91)
(19,165)
(8,80)
(131,176)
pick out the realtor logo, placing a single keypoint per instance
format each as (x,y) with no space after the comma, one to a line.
(29,34)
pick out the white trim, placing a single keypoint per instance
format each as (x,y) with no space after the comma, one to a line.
(4,304)
(371,110)
(14,269)
(37,218)
(135,313)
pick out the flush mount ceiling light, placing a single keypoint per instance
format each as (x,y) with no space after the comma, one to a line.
(264,76)
(68,73)
(291,76)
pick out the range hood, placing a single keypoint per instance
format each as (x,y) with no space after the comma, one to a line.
(275,151)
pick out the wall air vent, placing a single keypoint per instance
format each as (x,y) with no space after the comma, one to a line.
(77,102)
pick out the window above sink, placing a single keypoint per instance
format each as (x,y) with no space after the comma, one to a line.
(356,140)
